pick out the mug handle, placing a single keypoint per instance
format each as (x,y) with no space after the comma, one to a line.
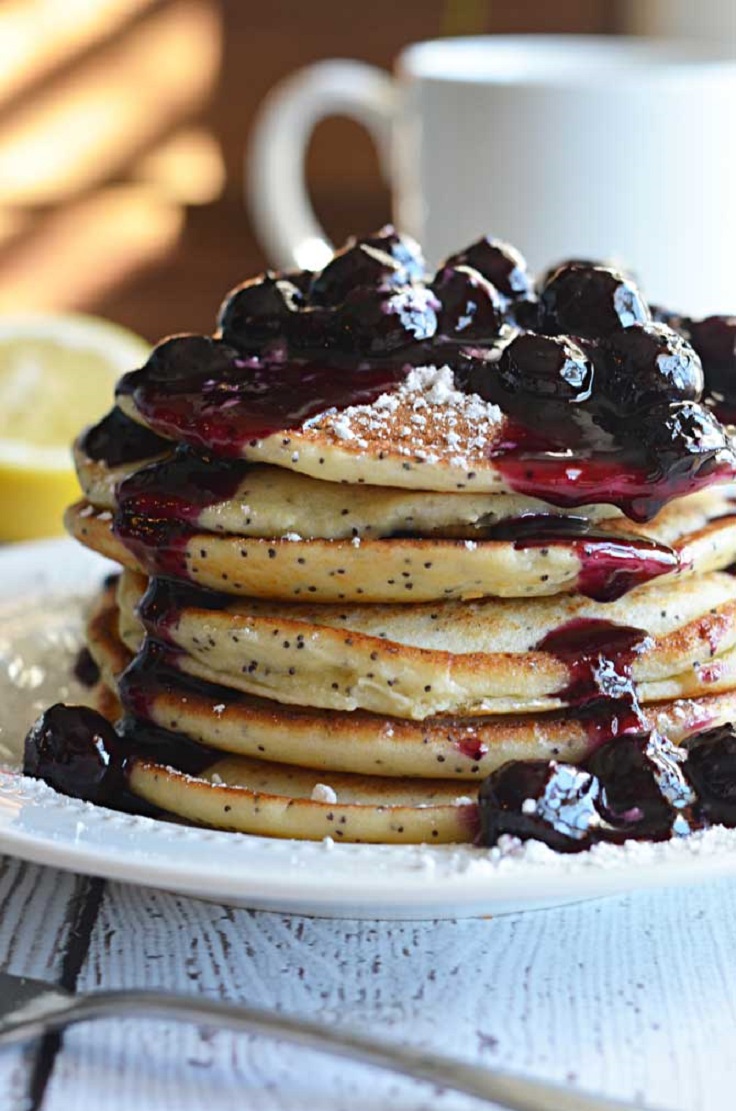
(274,171)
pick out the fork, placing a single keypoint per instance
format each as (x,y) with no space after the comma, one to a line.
(29,1008)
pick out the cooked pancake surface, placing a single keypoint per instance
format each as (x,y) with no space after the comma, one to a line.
(272,502)
(475,657)
(253,796)
(447,748)
(700,530)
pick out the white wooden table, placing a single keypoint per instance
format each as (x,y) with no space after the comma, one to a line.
(630,996)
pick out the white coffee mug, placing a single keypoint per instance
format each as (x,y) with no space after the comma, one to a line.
(567,146)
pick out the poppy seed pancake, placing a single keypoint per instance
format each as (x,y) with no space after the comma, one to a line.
(439,658)
(360,742)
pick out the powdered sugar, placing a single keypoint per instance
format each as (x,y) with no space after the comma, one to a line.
(426,418)
(322,792)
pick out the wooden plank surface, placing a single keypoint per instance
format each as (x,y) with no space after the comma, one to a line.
(46,919)
(635,996)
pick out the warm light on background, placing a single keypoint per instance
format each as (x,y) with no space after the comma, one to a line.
(101,140)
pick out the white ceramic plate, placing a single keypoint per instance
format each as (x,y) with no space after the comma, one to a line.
(42,592)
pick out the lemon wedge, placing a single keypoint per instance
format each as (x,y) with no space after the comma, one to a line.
(57,374)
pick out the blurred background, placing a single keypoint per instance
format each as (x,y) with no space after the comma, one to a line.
(123,125)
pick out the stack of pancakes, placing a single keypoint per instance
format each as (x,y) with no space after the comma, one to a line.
(366,618)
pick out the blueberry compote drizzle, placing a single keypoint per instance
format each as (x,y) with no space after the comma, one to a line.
(610,564)
(158,506)
(209,396)
(598,656)
(79,753)
(639,786)
(117,439)
(164,600)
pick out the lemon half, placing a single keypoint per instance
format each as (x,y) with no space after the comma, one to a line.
(57,374)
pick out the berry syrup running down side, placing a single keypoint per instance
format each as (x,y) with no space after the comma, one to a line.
(598,656)
(78,752)
(158,506)
(604,402)
(610,564)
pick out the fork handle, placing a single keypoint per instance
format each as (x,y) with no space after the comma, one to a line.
(514,1092)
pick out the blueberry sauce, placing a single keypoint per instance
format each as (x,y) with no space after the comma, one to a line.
(598,656)
(153,671)
(219,402)
(470,745)
(224,401)
(164,599)
(640,488)
(610,565)
(615,396)
(85,670)
(78,752)
(638,786)
(157,507)
(117,439)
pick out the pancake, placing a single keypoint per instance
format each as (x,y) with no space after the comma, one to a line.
(254,796)
(272,502)
(359,742)
(347,593)
(693,535)
(401,439)
(428,435)
(105,701)
(484,657)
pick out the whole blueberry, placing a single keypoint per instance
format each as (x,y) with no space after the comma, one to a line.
(377,322)
(76,751)
(564,264)
(470,307)
(554,367)
(525,314)
(711,769)
(383,261)
(117,439)
(259,311)
(683,437)
(499,263)
(644,792)
(645,363)
(540,800)
(181,362)
(590,301)
(715,341)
